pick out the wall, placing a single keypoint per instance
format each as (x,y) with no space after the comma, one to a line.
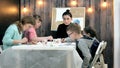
(9,12)
(116,33)
(101,19)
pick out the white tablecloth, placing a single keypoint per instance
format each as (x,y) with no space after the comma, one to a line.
(36,56)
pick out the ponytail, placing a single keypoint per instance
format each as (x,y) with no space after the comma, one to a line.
(19,26)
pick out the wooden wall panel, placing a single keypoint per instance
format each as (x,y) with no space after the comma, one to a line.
(101,19)
(106,33)
(7,15)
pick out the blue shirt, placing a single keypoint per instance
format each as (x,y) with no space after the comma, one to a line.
(11,34)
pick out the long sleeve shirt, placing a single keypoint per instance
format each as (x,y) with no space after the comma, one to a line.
(30,34)
(61,31)
(84,46)
(10,35)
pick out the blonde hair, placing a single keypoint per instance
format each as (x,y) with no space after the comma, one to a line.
(28,20)
(74,27)
(19,26)
(24,20)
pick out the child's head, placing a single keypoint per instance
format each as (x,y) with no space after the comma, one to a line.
(88,31)
(27,22)
(67,17)
(73,31)
(38,21)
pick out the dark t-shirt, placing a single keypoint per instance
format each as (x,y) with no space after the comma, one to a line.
(61,31)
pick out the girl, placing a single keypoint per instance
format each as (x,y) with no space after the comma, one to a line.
(31,33)
(13,34)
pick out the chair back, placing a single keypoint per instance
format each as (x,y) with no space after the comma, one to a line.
(101,47)
(98,54)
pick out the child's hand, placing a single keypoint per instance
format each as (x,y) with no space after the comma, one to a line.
(63,40)
(24,40)
(34,42)
(50,38)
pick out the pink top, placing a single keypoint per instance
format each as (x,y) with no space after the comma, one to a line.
(31,33)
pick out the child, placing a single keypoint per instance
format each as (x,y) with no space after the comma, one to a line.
(13,34)
(74,32)
(31,33)
(89,33)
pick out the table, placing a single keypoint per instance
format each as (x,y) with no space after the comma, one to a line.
(36,56)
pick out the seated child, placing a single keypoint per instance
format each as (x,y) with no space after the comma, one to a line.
(31,32)
(74,32)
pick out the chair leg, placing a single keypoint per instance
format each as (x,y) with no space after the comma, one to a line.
(94,61)
(101,58)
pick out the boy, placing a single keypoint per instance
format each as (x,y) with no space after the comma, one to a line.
(74,32)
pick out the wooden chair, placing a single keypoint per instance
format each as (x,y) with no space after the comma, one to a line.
(98,60)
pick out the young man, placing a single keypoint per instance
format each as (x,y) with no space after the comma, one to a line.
(74,32)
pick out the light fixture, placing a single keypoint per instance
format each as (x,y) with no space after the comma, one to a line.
(104,4)
(90,9)
(40,2)
(73,3)
(25,9)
